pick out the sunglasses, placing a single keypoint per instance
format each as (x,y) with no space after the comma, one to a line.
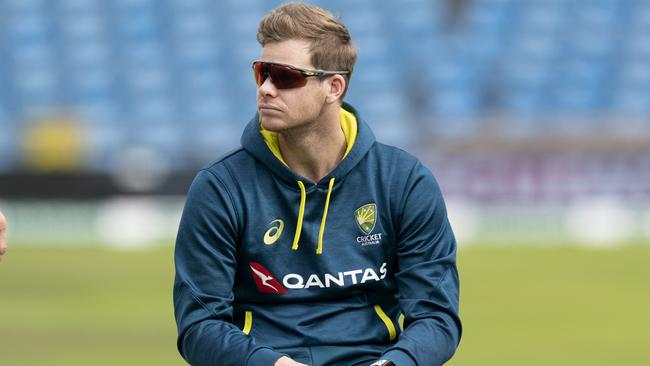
(286,76)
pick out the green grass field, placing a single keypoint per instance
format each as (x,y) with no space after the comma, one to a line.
(520,306)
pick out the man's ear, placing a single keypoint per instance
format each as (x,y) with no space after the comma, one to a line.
(337,85)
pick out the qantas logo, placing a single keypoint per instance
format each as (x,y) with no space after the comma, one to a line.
(265,281)
(340,279)
(267,284)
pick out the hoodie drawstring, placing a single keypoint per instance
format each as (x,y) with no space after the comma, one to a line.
(319,250)
(301,213)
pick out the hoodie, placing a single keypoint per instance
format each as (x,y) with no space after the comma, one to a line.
(266,259)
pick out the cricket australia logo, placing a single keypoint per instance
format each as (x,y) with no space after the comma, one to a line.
(366,217)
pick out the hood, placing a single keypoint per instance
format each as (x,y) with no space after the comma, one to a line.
(264,148)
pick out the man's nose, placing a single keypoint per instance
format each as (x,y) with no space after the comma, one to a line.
(267,87)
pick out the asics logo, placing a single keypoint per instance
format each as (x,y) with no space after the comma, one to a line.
(273,234)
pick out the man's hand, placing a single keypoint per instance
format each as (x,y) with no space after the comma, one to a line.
(3,235)
(382,363)
(286,361)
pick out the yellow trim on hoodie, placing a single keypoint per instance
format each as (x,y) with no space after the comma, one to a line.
(301,214)
(350,129)
(319,250)
(349,126)
(248,322)
(271,139)
(392,333)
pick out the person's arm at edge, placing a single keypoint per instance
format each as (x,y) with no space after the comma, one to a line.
(205,263)
(426,255)
(3,235)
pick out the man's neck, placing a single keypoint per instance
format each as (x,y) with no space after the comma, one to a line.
(313,151)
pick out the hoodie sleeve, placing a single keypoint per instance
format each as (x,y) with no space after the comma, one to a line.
(427,276)
(206,262)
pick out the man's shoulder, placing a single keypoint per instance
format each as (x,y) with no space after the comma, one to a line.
(228,167)
(402,165)
(395,154)
(233,157)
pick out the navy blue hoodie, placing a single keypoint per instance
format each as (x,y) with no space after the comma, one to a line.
(266,259)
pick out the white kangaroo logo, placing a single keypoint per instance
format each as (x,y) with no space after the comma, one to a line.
(264,278)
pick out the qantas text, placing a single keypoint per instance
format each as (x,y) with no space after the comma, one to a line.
(357,276)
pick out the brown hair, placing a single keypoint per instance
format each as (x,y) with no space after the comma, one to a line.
(331,44)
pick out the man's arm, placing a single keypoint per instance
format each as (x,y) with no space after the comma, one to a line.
(206,262)
(3,235)
(427,276)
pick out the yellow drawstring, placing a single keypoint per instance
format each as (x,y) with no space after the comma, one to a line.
(319,250)
(301,212)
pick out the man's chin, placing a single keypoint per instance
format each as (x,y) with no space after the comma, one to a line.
(273,124)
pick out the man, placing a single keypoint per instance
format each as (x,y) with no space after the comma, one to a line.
(3,236)
(313,244)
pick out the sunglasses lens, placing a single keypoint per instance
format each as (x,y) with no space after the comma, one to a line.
(285,78)
(282,77)
(258,72)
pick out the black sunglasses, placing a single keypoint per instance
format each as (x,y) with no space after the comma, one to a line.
(286,76)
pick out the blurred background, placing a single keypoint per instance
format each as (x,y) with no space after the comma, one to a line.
(534,115)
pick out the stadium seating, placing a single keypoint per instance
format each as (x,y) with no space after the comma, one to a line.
(174,75)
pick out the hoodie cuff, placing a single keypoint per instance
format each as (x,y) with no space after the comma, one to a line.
(263,357)
(399,358)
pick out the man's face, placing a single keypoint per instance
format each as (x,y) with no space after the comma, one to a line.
(284,109)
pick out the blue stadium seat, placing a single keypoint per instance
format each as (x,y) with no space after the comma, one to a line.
(631,94)
(24,7)
(106,139)
(210,139)
(387,114)
(90,86)
(547,16)
(126,65)
(488,16)
(631,101)
(9,148)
